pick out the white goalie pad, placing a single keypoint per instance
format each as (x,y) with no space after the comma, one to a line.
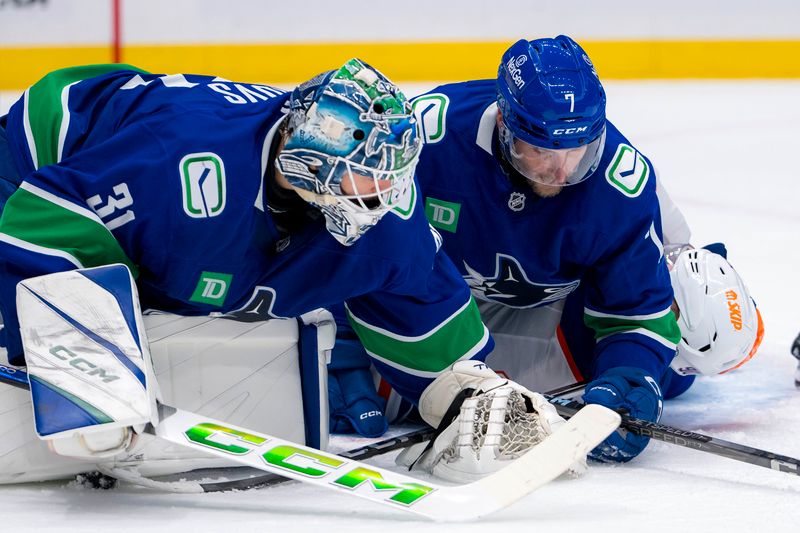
(250,374)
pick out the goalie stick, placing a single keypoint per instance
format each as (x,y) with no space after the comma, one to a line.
(106,476)
(656,431)
(543,463)
(363,452)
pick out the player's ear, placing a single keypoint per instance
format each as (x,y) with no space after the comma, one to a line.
(499,117)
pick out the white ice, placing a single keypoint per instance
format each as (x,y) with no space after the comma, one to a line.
(726,152)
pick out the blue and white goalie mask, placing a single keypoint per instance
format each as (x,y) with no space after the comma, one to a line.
(351,149)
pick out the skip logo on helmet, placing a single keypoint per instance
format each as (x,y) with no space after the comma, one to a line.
(735,310)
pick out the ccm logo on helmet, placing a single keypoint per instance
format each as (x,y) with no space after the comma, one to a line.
(569,131)
(734,309)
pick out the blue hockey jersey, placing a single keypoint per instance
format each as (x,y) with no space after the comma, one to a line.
(518,249)
(166,174)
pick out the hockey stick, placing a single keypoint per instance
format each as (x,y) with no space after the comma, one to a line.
(359,454)
(540,465)
(267,480)
(689,439)
(364,452)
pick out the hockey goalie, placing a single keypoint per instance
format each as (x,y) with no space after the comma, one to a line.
(97,369)
(254,204)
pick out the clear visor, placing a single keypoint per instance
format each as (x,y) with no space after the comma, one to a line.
(368,189)
(555,167)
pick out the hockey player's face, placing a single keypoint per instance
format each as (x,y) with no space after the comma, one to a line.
(547,167)
(364,187)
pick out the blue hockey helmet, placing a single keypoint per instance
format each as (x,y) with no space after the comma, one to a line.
(553,110)
(351,147)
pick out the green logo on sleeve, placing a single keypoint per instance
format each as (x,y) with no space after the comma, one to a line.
(431,110)
(441,214)
(628,171)
(212,288)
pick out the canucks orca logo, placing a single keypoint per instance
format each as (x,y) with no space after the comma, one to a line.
(510,285)
(258,308)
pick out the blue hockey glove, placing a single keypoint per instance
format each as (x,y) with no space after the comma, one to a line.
(632,391)
(355,406)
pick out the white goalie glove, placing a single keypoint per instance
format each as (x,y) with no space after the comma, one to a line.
(88,362)
(490,422)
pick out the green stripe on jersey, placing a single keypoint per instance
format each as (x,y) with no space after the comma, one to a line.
(45,111)
(663,329)
(461,334)
(33,219)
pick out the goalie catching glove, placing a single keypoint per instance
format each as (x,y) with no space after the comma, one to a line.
(484,421)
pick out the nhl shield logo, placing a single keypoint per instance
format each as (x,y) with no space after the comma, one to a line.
(516,202)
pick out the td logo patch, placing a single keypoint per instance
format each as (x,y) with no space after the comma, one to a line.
(212,288)
(628,171)
(202,184)
(442,214)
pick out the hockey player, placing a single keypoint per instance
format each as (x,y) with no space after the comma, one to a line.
(242,225)
(536,194)
(552,216)
(230,199)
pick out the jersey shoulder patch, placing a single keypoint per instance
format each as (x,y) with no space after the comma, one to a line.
(628,171)
(431,112)
(404,207)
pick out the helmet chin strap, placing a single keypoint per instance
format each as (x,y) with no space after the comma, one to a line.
(312,197)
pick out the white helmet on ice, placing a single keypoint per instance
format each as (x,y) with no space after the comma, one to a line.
(721,328)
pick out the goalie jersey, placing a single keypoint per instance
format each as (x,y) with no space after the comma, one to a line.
(165,174)
(523,251)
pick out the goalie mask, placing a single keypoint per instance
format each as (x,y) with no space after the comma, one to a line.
(721,328)
(352,147)
(553,109)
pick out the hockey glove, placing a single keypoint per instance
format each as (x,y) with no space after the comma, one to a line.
(355,405)
(484,422)
(626,390)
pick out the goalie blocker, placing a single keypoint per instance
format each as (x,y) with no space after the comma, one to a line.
(94,376)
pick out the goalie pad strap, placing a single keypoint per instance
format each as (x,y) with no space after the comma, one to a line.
(449,415)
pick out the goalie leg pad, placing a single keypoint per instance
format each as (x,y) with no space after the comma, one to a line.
(268,375)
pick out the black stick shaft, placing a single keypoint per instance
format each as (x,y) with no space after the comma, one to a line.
(691,440)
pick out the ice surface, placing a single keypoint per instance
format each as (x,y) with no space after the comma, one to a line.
(726,152)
